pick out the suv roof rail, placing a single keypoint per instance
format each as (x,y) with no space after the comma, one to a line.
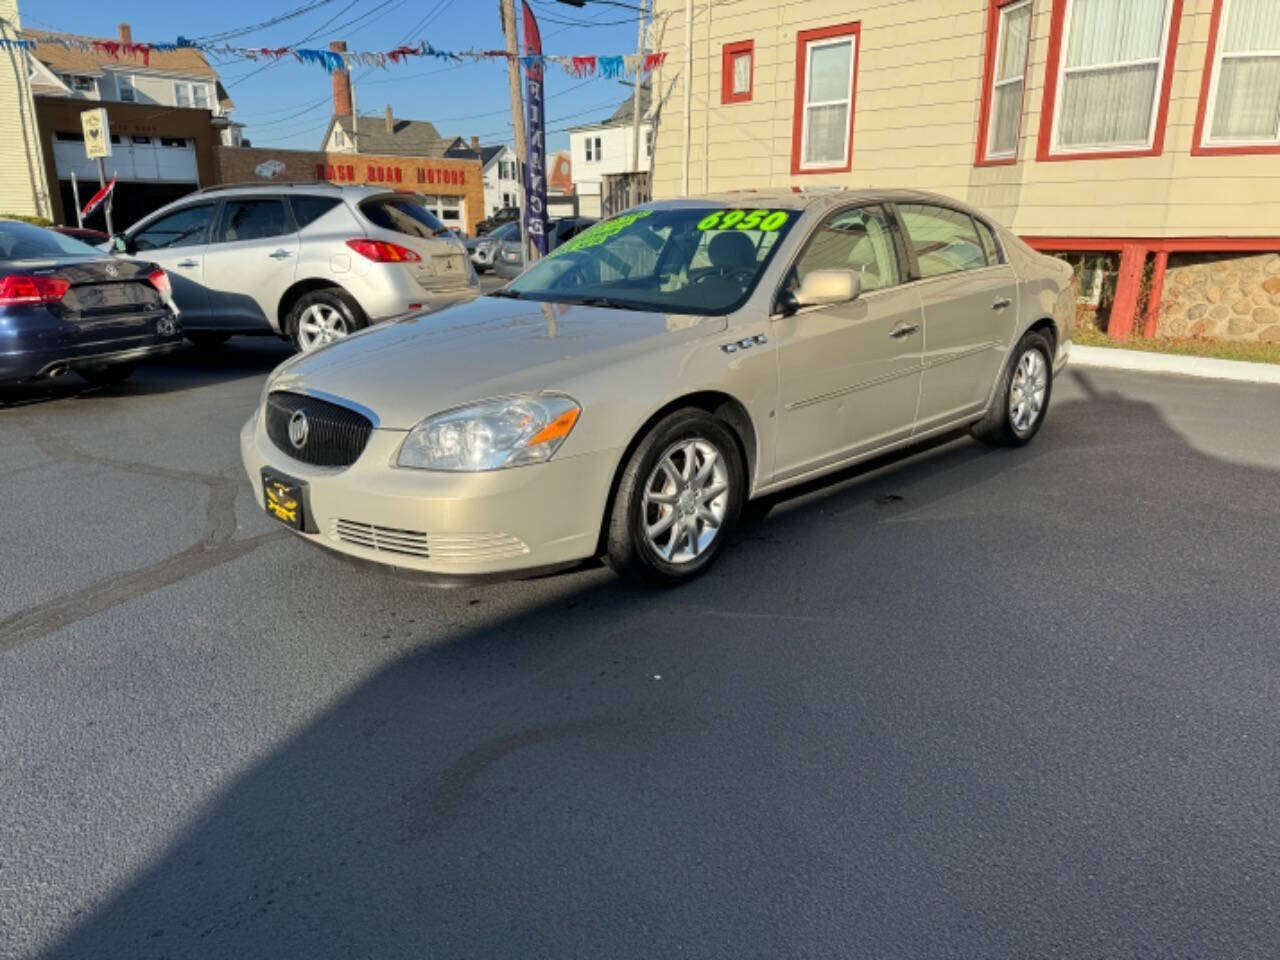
(277,183)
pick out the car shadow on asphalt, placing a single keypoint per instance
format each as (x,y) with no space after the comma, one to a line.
(942,706)
(187,368)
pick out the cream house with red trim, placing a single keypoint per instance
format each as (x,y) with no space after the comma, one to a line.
(1148,130)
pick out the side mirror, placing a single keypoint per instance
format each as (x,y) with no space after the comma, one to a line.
(826,287)
(120,244)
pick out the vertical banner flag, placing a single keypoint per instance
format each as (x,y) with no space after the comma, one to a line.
(535,160)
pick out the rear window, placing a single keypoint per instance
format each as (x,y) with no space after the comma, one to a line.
(307,210)
(403,215)
(22,241)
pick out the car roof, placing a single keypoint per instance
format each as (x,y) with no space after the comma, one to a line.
(821,199)
(355,191)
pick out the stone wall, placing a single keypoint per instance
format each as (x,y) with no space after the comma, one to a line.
(1222,297)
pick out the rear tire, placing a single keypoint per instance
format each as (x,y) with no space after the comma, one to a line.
(1022,396)
(677,500)
(207,339)
(106,374)
(323,316)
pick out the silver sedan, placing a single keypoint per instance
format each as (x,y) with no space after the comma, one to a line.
(627,395)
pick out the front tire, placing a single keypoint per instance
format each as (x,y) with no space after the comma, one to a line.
(106,374)
(323,316)
(1022,397)
(677,500)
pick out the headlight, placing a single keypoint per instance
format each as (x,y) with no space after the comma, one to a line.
(509,432)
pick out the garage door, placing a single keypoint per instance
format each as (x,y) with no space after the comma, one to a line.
(136,158)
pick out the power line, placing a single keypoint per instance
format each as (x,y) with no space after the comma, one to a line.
(253,28)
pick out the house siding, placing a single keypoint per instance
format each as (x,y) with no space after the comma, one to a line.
(23,186)
(919,94)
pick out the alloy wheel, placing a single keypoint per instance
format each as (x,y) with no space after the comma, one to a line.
(686,498)
(1027,391)
(321,324)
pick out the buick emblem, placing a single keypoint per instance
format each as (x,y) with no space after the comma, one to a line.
(112,270)
(298,429)
(165,327)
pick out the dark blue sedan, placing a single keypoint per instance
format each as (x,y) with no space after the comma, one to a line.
(65,306)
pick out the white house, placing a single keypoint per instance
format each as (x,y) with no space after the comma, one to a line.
(179,78)
(604,149)
(501,178)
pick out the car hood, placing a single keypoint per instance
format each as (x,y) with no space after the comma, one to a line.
(406,369)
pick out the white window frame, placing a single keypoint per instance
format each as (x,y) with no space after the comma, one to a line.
(593,156)
(181,90)
(851,40)
(996,83)
(1161,63)
(204,89)
(125,82)
(1211,108)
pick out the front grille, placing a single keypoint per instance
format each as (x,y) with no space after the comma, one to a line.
(385,539)
(335,435)
(446,548)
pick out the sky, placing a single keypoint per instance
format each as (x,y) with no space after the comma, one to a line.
(288,104)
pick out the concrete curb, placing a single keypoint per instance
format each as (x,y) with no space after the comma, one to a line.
(1115,358)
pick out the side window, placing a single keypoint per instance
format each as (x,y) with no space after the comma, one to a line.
(307,210)
(944,241)
(989,246)
(182,228)
(251,220)
(860,240)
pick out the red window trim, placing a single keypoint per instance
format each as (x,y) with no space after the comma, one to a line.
(803,39)
(1044,149)
(727,55)
(1154,244)
(1198,146)
(988,87)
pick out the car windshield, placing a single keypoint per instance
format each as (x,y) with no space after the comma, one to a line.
(698,260)
(22,241)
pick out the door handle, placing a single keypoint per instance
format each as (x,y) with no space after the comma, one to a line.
(1002,304)
(187,263)
(899,332)
(280,255)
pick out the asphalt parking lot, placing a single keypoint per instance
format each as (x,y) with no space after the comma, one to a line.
(971,703)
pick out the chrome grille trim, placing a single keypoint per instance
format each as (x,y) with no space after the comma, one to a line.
(336,434)
(445,548)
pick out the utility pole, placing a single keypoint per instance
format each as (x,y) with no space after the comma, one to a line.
(635,103)
(688,95)
(508,11)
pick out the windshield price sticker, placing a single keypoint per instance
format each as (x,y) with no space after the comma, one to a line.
(766,221)
(601,232)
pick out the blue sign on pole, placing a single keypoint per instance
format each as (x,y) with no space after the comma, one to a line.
(535,161)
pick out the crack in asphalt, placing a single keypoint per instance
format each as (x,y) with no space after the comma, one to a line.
(214,548)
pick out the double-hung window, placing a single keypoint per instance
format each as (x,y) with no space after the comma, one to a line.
(593,149)
(826,68)
(200,96)
(1242,96)
(182,94)
(1109,77)
(124,85)
(1006,80)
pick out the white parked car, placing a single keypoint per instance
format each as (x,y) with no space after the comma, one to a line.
(310,262)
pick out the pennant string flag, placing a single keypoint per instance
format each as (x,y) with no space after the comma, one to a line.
(588,65)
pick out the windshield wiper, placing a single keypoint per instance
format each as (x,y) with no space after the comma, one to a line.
(607,302)
(513,294)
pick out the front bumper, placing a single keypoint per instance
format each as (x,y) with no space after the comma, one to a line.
(466,525)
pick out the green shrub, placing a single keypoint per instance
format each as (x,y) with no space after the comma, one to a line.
(38,221)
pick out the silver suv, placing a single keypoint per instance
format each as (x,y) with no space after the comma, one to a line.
(310,262)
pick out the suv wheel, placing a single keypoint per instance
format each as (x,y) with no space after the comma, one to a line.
(323,316)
